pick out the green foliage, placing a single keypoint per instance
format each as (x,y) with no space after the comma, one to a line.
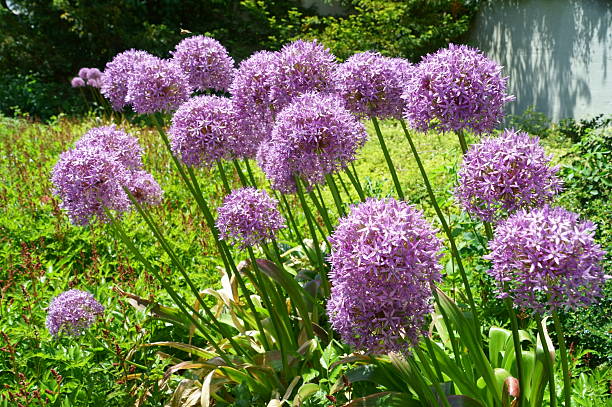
(576,130)
(531,121)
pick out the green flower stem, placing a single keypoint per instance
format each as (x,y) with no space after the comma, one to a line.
(383,146)
(434,381)
(434,360)
(445,226)
(449,328)
(221,170)
(250,172)
(488,230)
(548,365)
(312,260)
(243,179)
(345,189)
(335,193)
(322,211)
(567,384)
(462,142)
(518,350)
(355,181)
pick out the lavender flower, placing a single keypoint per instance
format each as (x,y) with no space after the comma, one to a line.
(114,81)
(110,139)
(303,66)
(72,312)
(372,85)
(77,82)
(251,96)
(248,217)
(546,259)
(384,261)
(313,136)
(94,83)
(83,73)
(203,130)
(206,62)
(94,73)
(502,174)
(144,188)
(157,85)
(458,87)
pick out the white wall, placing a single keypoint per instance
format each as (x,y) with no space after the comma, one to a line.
(558,53)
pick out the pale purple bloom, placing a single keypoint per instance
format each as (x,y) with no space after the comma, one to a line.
(77,82)
(303,66)
(83,73)
(72,312)
(114,81)
(109,138)
(384,263)
(206,63)
(203,130)
(372,85)
(457,88)
(144,188)
(313,136)
(157,85)
(248,217)
(94,83)
(94,73)
(503,174)
(547,259)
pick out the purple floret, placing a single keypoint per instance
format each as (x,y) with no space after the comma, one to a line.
(77,82)
(313,136)
(109,138)
(248,217)
(372,85)
(72,312)
(203,130)
(206,63)
(547,259)
(83,73)
(384,262)
(503,174)
(114,81)
(94,73)
(457,88)
(157,85)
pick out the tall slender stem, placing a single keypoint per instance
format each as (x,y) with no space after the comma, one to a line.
(383,146)
(518,350)
(243,179)
(250,172)
(355,181)
(462,142)
(346,191)
(335,193)
(447,230)
(567,384)
(548,364)
(226,185)
(297,231)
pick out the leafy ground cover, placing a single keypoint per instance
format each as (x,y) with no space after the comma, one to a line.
(42,254)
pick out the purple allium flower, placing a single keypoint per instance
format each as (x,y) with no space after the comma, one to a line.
(251,96)
(206,62)
(94,73)
(92,175)
(157,85)
(114,81)
(546,259)
(459,87)
(502,174)
(83,73)
(313,136)
(77,82)
(384,261)
(203,130)
(94,83)
(303,66)
(372,85)
(248,217)
(72,312)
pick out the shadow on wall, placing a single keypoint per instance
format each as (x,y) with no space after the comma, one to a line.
(556,53)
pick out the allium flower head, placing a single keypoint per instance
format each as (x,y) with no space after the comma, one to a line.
(119,143)
(313,136)
(94,83)
(248,217)
(77,82)
(83,73)
(303,66)
(157,85)
(460,88)
(502,174)
(114,81)
(372,85)
(384,261)
(203,130)
(72,312)
(94,73)
(251,96)
(546,259)
(206,62)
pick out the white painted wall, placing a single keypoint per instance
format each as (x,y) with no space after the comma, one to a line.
(558,53)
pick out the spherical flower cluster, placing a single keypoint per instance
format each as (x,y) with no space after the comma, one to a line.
(458,87)
(91,176)
(72,312)
(77,82)
(546,259)
(206,63)
(252,99)
(502,174)
(203,130)
(114,81)
(384,261)
(248,217)
(83,73)
(92,75)
(372,85)
(313,136)
(157,85)
(303,66)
